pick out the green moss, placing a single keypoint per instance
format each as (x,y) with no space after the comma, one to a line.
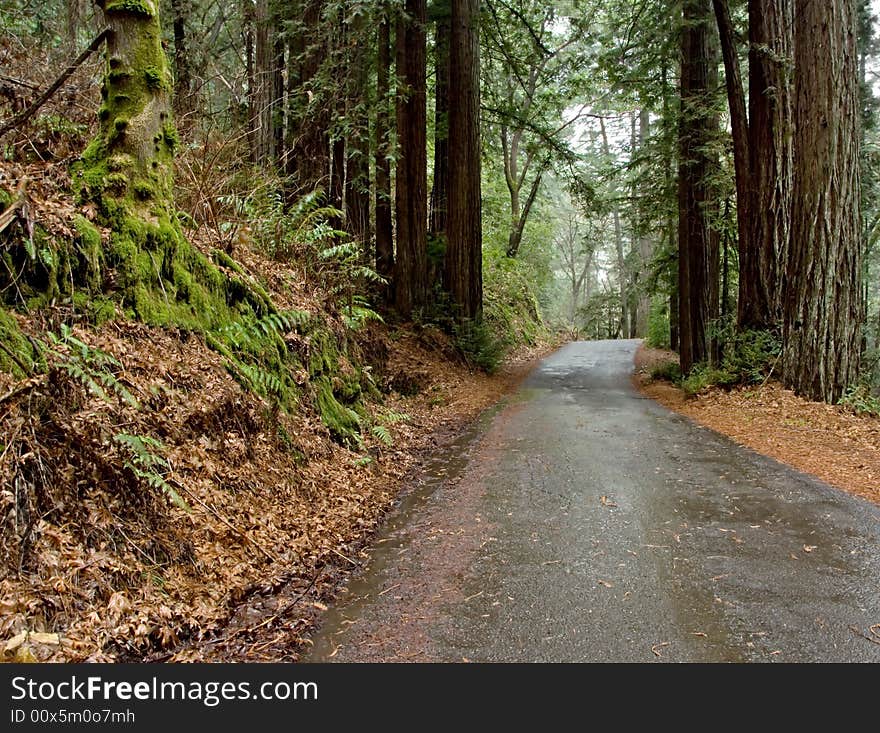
(342,422)
(5,199)
(155,79)
(169,134)
(138,7)
(17,357)
(144,191)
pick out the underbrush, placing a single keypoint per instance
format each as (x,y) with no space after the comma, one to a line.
(749,357)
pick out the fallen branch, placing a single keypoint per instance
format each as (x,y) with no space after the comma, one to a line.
(45,96)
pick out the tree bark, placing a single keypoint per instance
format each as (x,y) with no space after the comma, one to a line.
(180,11)
(771,54)
(411,272)
(440,189)
(357,163)
(698,243)
(384,224)
(646,242)
(307,105)
(464,260)
(823,297)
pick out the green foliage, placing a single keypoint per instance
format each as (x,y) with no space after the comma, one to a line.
(860,400)
(669,371)
(479,345)
(244,335)
(382,435)
(511,311)
(749,357)
(90,366)
(145,462)
(658,324)
(703,376)
(17,355)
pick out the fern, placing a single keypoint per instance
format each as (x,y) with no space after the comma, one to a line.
(244,335)
(383,435)
(391,417)
(145,463)
(88,365)
(263,381)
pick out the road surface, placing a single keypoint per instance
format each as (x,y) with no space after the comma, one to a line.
(584,522)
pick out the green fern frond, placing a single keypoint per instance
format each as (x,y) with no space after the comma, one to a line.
(383,435)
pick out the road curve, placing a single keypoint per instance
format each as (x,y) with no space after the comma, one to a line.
(584,522)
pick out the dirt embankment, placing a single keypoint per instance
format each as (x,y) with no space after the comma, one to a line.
(95,566)
(827,441)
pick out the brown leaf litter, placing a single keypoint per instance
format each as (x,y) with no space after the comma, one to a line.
(828,441)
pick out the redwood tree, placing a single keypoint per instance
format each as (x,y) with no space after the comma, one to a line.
(384,223)
(762,153)
(410,275)
(698,242)
(823,300)
(464,250)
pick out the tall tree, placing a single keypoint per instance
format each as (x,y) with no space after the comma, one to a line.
(697,240)
(411,264)
(823,306)
(464,251)
(762,153)
(357,163)
(180,11)
(442,15)
(384,222)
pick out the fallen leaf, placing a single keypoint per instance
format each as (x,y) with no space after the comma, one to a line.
(810,548)
(657,647)
(606,584)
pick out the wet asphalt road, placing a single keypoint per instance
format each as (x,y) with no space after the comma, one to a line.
(584,522)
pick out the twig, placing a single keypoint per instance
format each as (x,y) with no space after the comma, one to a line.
(19,82)
(224,520)
(45,96)
(347,559)
(289,607)
(770,373)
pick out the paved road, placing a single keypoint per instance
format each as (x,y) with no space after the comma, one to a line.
(583,522)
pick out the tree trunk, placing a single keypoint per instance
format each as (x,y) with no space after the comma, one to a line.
(411,271)
(623,288)
(384,224)
(646,242)
(308,107)
(464,261)
(823,308)
(440,189)
(74,19)
(357,164)
(127,174)
(698,243)
(132,154)
(771,51)
(180,11)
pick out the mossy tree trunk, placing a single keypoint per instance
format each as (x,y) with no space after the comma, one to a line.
(129,164)
(126,172)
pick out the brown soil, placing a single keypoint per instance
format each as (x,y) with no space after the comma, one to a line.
(828,441)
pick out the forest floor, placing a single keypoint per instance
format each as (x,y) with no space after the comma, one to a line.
(827,441)
(272,528)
